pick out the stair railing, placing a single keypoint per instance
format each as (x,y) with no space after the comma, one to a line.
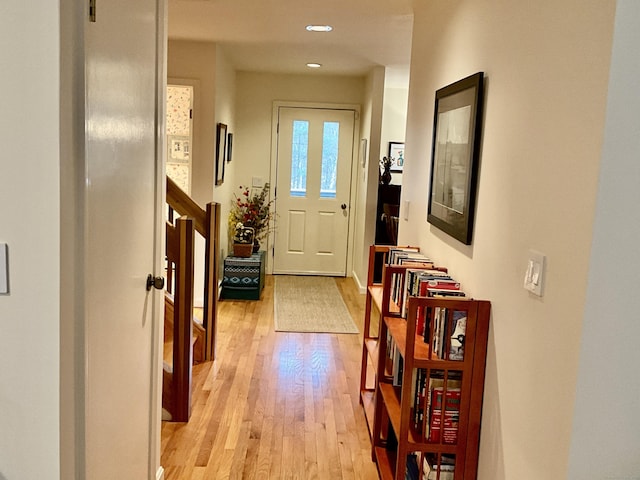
(207,224)
(177,382)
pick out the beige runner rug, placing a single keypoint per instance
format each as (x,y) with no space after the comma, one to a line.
(310,304)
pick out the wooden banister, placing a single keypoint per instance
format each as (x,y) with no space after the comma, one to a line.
(185,205)
(207,224)
(211,269)
(180,251)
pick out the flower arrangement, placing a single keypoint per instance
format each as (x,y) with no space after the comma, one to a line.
(387,162)
(243,234)
(385,176)
(251,209)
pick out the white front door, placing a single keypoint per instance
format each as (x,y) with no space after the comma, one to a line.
(315,155)
(120,195)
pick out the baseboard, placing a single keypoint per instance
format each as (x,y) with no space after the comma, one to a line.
(361,288)
(160,474)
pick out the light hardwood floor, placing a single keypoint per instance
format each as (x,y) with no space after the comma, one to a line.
(274,405)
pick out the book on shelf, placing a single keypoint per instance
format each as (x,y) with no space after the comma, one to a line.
(434,470)
(398,368)
(459,330)
(438,292)
(427,389)
(418,283)
(444,330)
(443,425)
(402,256)
(412,472)
(396,252)
(419,401)
(390,354)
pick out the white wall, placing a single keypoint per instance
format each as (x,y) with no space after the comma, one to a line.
(214,100)
(394,113)
(367,181)
(225,113)
(197,61)
(606,421)
(30,225)
(546,66)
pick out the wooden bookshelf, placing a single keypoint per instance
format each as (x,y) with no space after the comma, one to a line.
(425,396)
(372,317)
(378,305)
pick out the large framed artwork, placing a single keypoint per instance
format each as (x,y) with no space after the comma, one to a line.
(457,131)
(221,148)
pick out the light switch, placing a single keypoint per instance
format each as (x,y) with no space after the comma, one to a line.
(4,269)
(256,182)
(534,275)
(405,209)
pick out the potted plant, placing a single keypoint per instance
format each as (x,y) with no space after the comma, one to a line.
(386,164)
(243,240)
(252,208)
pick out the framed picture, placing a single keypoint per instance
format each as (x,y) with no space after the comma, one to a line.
(396,151)
(455,150)
(229,146)
(221,148)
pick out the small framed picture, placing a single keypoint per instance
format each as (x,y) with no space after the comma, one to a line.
(221,148)
(229,146)
(396,151)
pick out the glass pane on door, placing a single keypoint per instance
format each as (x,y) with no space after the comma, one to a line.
(299,156)
(329,179)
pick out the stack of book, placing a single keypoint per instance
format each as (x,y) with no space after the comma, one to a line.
(430,422)
(407,256)
(434,470)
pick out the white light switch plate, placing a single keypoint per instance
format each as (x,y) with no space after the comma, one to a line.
(4,270)
(534,273)
(256,182)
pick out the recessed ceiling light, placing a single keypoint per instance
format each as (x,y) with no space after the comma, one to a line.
(319,28)
(314,65)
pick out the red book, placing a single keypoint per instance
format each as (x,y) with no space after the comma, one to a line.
(447,432)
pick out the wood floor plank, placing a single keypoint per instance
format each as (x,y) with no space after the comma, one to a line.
(274,405)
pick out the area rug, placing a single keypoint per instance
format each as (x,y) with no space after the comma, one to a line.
(310,304)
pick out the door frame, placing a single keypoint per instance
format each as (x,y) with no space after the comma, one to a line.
(157,315)
(273,169)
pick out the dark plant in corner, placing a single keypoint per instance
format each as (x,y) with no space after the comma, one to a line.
(252,208)
(386,164)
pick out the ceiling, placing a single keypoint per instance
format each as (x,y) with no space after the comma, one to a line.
(270,35)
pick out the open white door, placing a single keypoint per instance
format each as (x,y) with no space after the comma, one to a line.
(121,194)
(314,159)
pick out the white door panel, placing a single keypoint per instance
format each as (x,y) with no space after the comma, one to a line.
(120,213)
(315,154)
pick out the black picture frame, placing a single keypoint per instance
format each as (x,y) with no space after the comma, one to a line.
(229,146)
(396,151)
(455,151)
(221,148)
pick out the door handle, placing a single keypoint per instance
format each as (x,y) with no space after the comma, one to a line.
(155,282)
(343,206)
